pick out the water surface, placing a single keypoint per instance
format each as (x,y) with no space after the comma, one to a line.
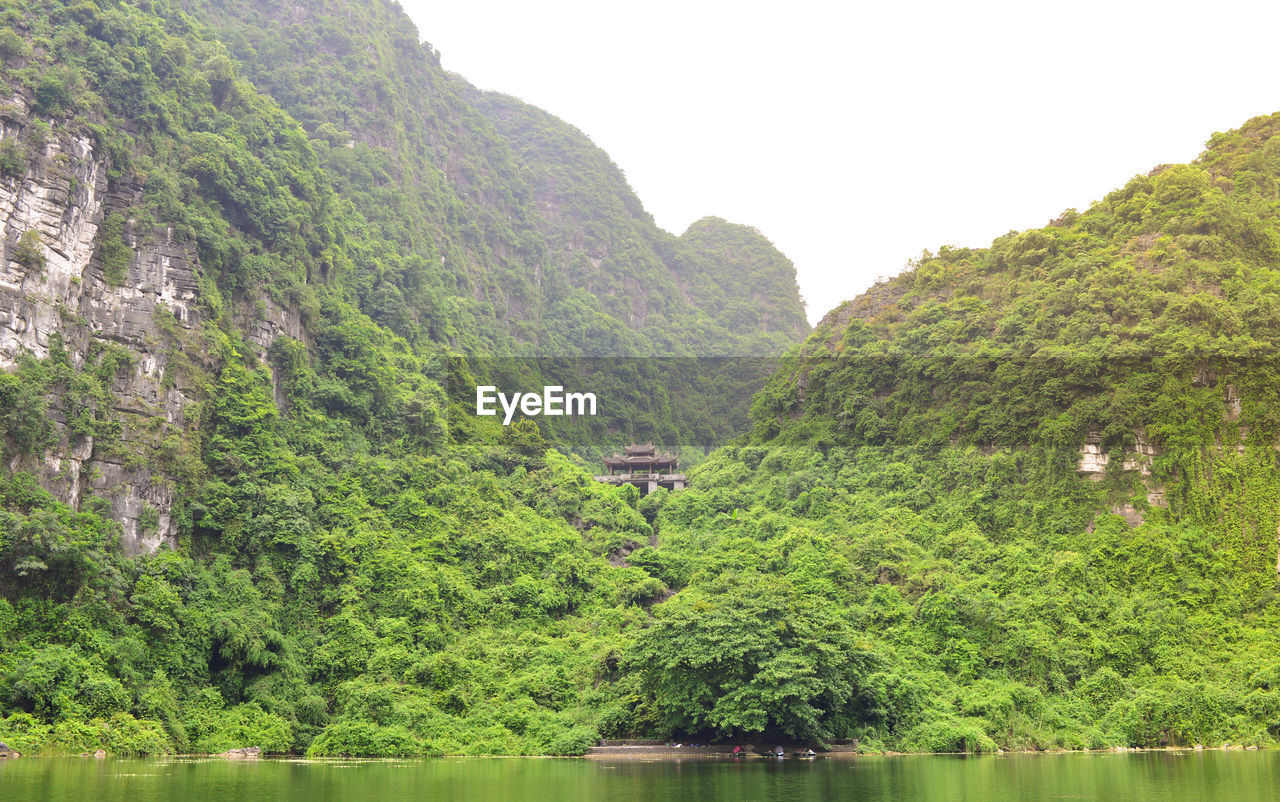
(1210,775)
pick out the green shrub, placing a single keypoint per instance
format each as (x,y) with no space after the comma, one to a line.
(950,735)
(56,682)
(574,742)
(113,251)
(365,739)
(52,94)
(121,734)
(23,410)
(13,158)
(214,729)
(11,44)
(24,732)
(28,251)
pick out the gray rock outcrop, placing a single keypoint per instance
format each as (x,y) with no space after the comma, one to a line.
(64,195)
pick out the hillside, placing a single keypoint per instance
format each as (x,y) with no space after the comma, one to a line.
(539,235)
(235,280)
(144,170)
(1023,496)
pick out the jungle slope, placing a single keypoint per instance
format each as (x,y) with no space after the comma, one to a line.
(1023,496)
(239,507)
(526,224)
(915,546)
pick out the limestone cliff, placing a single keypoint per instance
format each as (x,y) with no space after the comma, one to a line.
(58,296)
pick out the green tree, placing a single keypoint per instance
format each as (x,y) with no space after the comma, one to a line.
(748,654)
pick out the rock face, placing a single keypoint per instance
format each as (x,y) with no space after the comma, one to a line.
(63,195)
(262,328)
(272,321)
(1093,464)
(1093,460)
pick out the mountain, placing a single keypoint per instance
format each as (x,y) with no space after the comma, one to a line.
(1021,496)
(243,250)
(537,229)
(399,207)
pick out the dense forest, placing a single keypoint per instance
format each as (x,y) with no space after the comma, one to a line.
(1023,496)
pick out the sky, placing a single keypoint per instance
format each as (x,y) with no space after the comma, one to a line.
(857,135)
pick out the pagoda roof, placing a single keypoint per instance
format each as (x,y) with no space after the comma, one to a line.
(656,460)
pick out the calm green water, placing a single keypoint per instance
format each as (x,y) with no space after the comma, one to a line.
(1149,776)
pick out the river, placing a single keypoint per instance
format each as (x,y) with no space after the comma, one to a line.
(1163,776)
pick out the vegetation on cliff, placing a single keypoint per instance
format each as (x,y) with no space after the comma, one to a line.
(1038,480)
(903,550)
(335,513)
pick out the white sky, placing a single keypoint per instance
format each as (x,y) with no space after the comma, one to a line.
(856,135)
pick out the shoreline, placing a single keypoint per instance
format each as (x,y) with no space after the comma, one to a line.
(657,754)
(712,753)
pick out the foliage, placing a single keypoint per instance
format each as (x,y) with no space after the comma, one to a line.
(28,251)
(902,550)
(13,157)
(113,251)
(749,655)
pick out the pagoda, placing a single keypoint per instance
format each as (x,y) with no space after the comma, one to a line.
(644,467)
